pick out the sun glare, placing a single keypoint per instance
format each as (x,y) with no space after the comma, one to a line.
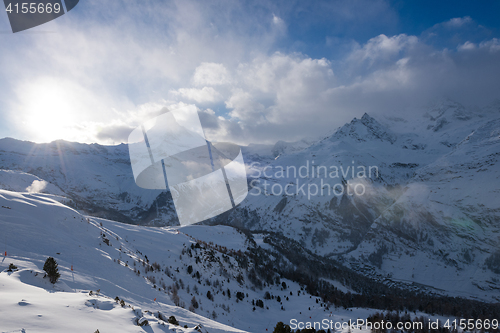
(49,113)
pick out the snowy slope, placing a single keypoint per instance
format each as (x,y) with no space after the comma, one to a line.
(34,227)
(19,181)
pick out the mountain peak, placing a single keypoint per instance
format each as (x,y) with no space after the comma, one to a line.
(366,117)
(365,129)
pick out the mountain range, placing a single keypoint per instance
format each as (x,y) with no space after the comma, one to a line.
(407,201)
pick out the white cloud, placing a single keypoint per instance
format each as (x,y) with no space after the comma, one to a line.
(383,48)
(244,107)
(269,74)
(492,45)
(37,186)
(467,46)
(203,95)
(457,22)
(211,74)
(278,21)
(289,96)
(279,24)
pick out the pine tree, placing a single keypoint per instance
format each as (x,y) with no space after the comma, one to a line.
(282,328)
(50,267)
(194,302)
(172,320)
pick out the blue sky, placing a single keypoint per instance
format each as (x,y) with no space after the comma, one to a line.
(258,71)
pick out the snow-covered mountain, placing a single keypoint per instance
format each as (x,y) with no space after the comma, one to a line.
(97,178)
(209,279)
(429,211)
(427,218)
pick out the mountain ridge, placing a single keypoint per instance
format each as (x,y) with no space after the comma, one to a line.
(418,203)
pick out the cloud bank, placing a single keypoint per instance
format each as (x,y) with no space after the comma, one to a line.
(106,69)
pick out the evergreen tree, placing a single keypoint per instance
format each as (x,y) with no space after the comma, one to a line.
(194,302)
(50,267)
(282,328)
(172,320)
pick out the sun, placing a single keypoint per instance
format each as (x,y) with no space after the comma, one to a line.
(48,111)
